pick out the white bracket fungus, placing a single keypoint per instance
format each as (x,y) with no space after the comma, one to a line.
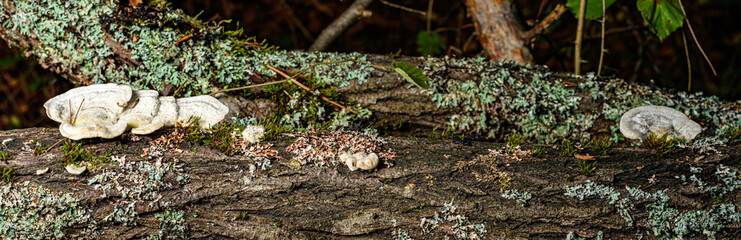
(253,133)
(107,110)
(639,122)
(360,161)
(71,168)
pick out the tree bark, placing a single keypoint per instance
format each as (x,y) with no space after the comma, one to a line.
(402,196)
(501,32)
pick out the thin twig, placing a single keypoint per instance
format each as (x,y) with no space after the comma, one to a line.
(307,88)
(579,29)
(543,24)
(689,66)
(403,8)
(78,112)
(249,86)
(331,32)
(52,146)
(429,26)
(692,32)
(602,44)
(297,21)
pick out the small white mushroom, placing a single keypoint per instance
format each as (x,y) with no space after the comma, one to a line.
(42,171)
(659,120)
(107,110)
(359,161)
(71,168)
(369,162)
(349,160)
(253,133)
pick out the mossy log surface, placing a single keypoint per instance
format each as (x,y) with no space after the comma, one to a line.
(288,201)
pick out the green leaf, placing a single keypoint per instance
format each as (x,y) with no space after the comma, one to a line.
(663,16)
(593,9)
(412,74)
(430,44)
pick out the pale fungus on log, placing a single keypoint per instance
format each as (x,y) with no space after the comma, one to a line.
(659,120)
(107,110)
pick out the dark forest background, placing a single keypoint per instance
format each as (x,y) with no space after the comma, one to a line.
(635,54)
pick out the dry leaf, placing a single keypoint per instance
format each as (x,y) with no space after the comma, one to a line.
(584,157)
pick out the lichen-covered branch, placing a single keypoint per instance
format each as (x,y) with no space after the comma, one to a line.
(96,41)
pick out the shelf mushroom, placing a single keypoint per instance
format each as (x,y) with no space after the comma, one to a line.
(639,122)
(107,110)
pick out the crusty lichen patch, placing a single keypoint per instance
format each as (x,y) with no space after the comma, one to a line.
(30,211)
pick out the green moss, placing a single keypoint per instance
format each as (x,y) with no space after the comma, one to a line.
(5,156)
(661,145)
(222,137)
(75,154)
(603,146)
(586,168)
(39,150)
(567,148)
(243,215)
(8,174)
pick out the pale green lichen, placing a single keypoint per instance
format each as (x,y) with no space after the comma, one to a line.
(460,227)
(73,35)
(663,220)
(144,181)
(29,211)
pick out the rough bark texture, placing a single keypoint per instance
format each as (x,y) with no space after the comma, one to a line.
(500,30)
(289,201)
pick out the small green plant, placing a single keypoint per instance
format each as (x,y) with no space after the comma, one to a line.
(567,148)
(733,133)
(662,145)
(603,146)
(273,127)
(587,168)
(538,152)
(243,215)
(192,129)
(277,222)
(5,156)
(444,135)
(221,137)
(8,174)
(75,154)
(513,141)
(39,150)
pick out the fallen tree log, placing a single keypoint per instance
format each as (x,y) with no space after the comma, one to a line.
(149,187)
(431,189)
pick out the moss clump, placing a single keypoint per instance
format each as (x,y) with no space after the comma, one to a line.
(661,145)
(243,215)
(8,174)
(603,146)
(39,150)
(567,148)
(75,154)
(222,137)
(5,156)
